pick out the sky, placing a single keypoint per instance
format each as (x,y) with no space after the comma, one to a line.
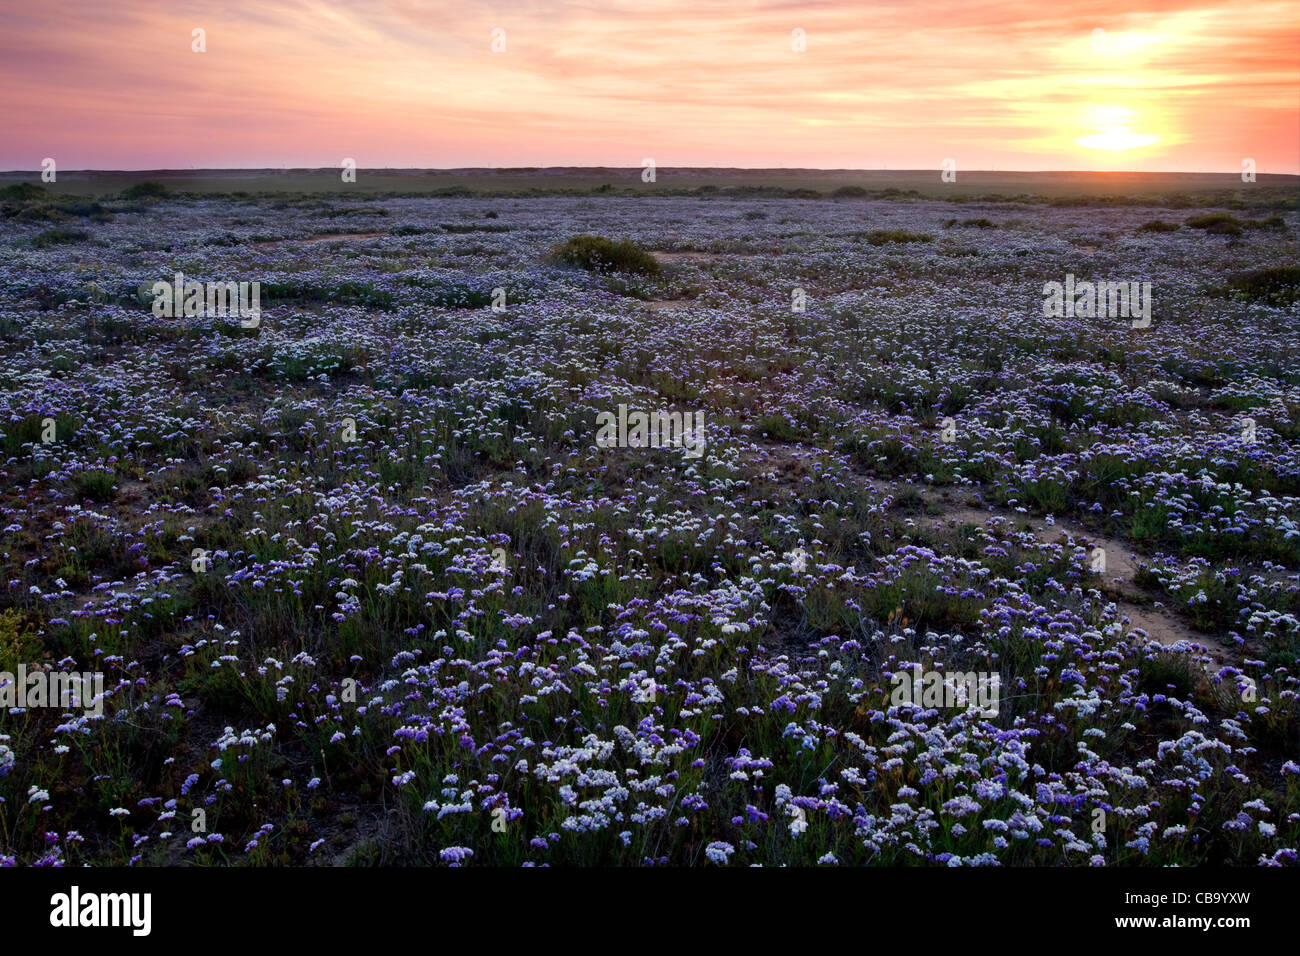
(1173,85)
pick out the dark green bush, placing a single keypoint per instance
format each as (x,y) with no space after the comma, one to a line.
(23,192)
(344,293)
(145,190)
(94,484)
(599,254)
(59,237)
(464,227)
(1217,223)
(878,237)
(1272,285)
(1272,223)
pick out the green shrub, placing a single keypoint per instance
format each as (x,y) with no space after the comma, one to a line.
(1272,285)
(94,484)
(23,192)
(59,237)
(598,254)
(38,213)
(345,293)
(145,190)
(1272,223)
(1159,225)
(451,295)
(19,641)
(878,237)
(1217,223)
(464,227)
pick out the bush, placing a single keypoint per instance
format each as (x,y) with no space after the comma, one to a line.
(451,295)
(598,254)
(23,192)
(1217,223)
(36,213)
(1272,285)
(94,484)
(59,237)
(145,190)
(464,227)
(849,192)
(1272,223)
(349,292)
(86,209)
(1159,225)
(20,643)
(878,237)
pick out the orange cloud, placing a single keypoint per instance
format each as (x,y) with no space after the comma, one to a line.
(1013,85)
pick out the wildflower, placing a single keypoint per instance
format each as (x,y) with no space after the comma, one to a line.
(719,852)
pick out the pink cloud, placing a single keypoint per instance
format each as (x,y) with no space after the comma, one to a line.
(1010,85)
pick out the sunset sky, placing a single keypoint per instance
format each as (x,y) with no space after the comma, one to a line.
(1024,84)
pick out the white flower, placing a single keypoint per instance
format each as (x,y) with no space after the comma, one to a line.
(719,852)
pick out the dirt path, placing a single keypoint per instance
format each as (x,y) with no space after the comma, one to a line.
(1161,625)
(784,462)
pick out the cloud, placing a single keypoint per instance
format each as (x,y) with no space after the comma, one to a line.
(305,82)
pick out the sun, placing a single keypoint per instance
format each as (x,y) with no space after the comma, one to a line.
(1113,129)
(1117,138)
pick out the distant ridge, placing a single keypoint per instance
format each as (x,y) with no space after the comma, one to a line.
(1062,187)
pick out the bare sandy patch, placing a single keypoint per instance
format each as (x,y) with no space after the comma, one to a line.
(687,256)
(325,237)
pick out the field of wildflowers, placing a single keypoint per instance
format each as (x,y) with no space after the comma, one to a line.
(365,588)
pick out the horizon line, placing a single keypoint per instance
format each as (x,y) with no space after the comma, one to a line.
(637,170)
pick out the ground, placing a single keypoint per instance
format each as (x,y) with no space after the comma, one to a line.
(365,589)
